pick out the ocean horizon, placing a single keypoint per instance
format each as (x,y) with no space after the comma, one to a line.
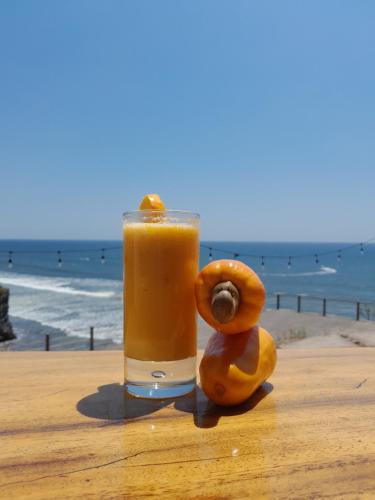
(85,288)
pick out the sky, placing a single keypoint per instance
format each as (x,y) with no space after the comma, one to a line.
(259,115)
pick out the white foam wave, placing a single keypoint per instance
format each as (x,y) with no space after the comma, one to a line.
(322,271)
(328,270)
(57,285)
(69,304)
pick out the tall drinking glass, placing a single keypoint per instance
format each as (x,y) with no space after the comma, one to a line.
(161,251)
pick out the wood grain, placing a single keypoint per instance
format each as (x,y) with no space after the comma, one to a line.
(63,434)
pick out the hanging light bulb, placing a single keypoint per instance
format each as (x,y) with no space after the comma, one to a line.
(59,259)
(10,260)
(361,249)
(210,256)
(262,263)
(339,256)
(316,259)
(289,262)
(102,258)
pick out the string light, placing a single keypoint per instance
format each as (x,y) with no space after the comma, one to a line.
(337,252)
(316,256)
(102,258)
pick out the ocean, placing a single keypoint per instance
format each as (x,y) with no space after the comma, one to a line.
(86,290)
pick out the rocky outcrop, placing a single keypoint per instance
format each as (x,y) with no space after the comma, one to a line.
(6,330)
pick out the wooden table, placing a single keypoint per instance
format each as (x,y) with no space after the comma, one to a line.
(63,433)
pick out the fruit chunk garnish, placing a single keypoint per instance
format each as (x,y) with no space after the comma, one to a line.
(151,202)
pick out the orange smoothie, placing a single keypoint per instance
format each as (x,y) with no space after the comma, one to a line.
(161,264)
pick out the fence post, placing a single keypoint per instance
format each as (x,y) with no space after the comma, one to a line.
(324,312)
(277,301)
(357,311)
(298,303)
(47,342)
(91,338)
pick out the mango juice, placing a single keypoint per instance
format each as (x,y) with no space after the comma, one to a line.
(160,264)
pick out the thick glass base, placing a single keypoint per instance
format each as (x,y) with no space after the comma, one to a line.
(159,379)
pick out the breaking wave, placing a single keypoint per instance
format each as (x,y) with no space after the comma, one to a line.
(56,285)
(322,271)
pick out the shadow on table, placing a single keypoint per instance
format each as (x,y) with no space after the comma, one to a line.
(207,414)
(112,402)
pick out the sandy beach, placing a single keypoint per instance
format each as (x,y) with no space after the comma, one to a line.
(303,330)
(312,330)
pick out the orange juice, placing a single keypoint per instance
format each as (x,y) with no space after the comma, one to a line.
(160,263)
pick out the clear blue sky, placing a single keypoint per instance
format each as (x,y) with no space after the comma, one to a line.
(259,115)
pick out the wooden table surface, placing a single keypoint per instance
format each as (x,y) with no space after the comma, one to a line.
(66,431)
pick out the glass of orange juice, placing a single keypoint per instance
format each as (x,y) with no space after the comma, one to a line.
(161,252)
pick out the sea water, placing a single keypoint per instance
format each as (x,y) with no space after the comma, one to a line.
(87,289)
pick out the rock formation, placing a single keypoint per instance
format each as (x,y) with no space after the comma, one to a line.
(6,330)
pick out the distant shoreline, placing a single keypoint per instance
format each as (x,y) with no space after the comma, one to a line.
(290,330)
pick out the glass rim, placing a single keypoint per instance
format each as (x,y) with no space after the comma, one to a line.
(152,211)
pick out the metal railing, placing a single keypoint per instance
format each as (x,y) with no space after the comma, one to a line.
(47,341)
(365,310)
(354,309)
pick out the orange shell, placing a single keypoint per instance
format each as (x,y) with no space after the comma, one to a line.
(234,366)
(249,285)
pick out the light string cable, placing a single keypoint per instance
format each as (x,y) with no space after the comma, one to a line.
(289,258)
(212,249)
